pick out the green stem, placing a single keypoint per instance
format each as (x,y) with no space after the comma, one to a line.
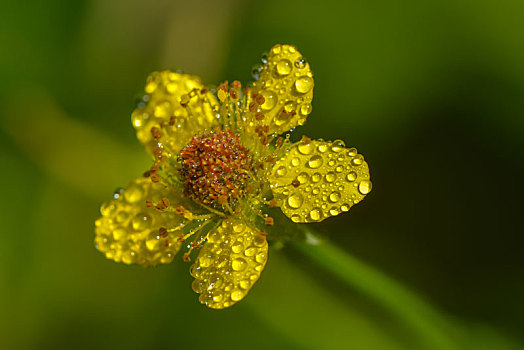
(429,325)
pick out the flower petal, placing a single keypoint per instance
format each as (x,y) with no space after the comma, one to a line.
(128,230)
(315,180)
(160,107)
(229,263)
(286,83)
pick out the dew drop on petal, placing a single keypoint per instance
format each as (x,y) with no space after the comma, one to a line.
(304,84)
(141,221)
(284,67)
(315,214)
(270,100)
(315,162)
(305,109)
(238,264)
(358,160)
(364,187)
(305,148)
(338,146)
(303,177)
(295,200)
(281,171)
(351,176)
(300,63)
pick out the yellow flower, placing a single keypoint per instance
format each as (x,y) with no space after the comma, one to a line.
(219,164)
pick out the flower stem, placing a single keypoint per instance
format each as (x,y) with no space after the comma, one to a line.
(432,328)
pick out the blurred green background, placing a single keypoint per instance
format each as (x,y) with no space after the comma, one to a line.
(431,92)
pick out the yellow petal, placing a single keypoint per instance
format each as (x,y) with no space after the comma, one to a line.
(286,83)
(315,180)
(229,263)
(128,230)
(160,107)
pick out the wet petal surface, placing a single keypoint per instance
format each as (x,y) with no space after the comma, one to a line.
(316,179)
(229,263)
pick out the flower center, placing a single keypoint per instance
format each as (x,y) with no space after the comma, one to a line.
(215,168)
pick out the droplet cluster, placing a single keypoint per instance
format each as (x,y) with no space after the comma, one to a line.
(128,230)
(229,264)
(286,83)
(215,165)
(331,179)
(161,107)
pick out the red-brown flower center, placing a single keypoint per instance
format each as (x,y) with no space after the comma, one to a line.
(215,167)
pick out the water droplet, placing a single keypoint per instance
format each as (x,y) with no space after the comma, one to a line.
(118,192)
(239,226)
(334,211)
(295,200)
(284,67)
(238,264)
(352,152)
(237,294)
(315,214)
(141,221)
(122,216)
(133,193)
(261,257)
(107,209)
(255,72)
(295,161)
(289,107)
(331,162)
(305,148)
(276,49)
(316,177)
(339,169)
(119,233)
(250,251)
(263,58)
(296,218)
(270,100)
(345,207)
(351,176)
(244,284)
(217,298)
(334,196)
(281,171)
(330,176)
(316,191)
(358,160)
(237,247)
(364,187)
(338,146)
(281,119)
(152,244)
(206,259)
(322,148)
(300,63)
(304,84)
(303,177)
(315,161)
(150,87)
(305,109)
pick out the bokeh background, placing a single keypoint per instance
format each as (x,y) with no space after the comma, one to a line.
(431,92)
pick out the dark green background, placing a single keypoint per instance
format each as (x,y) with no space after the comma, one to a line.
(431,92)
